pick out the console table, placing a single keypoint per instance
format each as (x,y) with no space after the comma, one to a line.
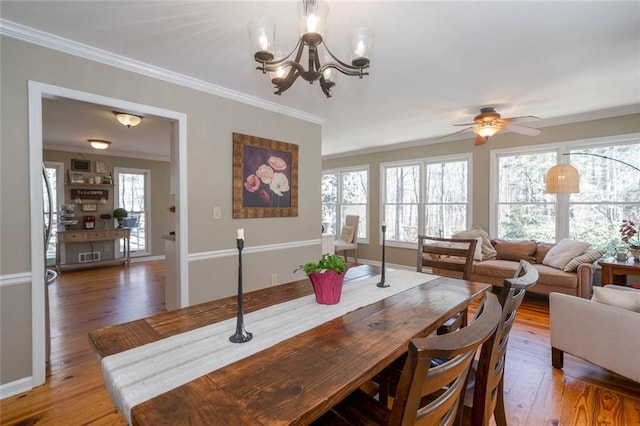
(615,271)
(87,235)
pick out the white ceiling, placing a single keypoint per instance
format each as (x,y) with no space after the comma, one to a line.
(435,63)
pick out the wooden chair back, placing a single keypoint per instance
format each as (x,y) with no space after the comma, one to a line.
(436,253)
(443,384)
(488,390)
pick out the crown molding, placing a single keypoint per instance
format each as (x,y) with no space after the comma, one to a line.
(548,122)
(54,42)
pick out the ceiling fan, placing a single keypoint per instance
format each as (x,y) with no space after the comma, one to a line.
(489,122)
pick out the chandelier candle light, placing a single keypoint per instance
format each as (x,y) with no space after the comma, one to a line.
(284,71)
(382,282)
(241,335)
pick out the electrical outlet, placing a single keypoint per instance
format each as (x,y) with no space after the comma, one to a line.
(274,279)
(217,213)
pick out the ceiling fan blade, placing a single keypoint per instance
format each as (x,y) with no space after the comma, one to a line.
(454,133)
(465,124)
(480,140)
(523,130)
(522,119)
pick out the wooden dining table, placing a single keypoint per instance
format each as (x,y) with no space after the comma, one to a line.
(297,380)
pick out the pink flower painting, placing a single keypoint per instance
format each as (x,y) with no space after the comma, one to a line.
(266,177)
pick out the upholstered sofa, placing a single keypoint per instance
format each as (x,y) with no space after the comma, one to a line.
(602,330)
(497,260)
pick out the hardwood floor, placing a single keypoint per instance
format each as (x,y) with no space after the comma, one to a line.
(81,301)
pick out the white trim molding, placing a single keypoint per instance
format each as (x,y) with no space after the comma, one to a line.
(61,44)
(14,388)
(15,279)
(208,255)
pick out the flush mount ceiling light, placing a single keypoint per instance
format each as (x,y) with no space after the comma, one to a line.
(323,65)
(99,143)
(128,120)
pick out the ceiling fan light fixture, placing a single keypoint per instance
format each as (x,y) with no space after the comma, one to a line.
(562,179)
(99,143)
(129,120)
(486,130)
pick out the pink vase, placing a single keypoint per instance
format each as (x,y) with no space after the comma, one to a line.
(327,286)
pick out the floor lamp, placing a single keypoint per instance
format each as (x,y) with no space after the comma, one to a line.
(564,178)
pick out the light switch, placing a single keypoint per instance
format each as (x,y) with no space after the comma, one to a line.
(217,213)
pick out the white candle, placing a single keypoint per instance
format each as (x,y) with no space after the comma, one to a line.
(240,234)
(384,223)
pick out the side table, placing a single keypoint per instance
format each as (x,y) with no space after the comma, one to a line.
(616,271)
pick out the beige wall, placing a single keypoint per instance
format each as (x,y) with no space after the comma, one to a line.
(211,120)
(161,218)
(480,163)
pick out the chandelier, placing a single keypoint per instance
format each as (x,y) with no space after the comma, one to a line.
(322,64)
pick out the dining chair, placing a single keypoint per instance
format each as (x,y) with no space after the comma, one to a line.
(484,395)
(448,257)
(441,386)
(349,237)
(485,392)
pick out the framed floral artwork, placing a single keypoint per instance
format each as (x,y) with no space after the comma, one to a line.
(265,178)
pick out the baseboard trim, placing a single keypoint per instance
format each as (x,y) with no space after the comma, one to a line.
(14,388)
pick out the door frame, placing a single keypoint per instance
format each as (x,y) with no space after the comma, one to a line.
(36,92)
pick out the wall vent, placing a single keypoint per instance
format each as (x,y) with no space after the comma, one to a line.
(89,257)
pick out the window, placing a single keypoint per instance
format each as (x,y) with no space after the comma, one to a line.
(54,171)
(429,196)
(133,195)
(609,192)
(345,192)
(524,210)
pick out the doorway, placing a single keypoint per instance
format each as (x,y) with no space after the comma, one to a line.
(38,92)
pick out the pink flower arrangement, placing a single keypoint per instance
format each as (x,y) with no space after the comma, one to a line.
(628,230)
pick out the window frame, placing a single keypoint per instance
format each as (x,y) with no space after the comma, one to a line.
(423,163)
(339,171)
(563,201)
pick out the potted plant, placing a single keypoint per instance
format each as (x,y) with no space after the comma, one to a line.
(326,276)
(628,230)
(120,214)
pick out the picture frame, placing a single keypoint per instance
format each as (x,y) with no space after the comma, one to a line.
(78,165)
(265,178)
(101,168)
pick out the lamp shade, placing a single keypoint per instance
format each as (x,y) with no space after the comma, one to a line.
(128,120)
(99,143)
(562,179)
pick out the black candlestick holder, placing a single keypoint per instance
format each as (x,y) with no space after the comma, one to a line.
(241,335)
(382,282)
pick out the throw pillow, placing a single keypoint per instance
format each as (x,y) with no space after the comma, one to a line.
(629,300)
(541,251)
(488,252)
(347,233)
(563,252)
(588,257)
(515,250)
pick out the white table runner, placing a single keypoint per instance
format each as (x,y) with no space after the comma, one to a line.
(142,373)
